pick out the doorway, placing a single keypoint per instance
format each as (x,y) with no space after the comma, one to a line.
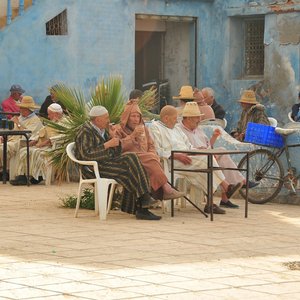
(165,54)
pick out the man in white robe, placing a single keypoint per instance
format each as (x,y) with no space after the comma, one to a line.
(39,147)
(27,120)
(167,137)
(196,136)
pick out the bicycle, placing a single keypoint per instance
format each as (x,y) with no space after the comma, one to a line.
(266,169)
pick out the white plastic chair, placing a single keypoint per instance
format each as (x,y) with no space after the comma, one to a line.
(273,121)
(180,184)
(195,194)
(290,117)
(55,141)
(101,185)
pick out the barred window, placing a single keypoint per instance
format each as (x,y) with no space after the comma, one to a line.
(58,25)
(254,47)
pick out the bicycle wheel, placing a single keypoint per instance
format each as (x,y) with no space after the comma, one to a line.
(265,169)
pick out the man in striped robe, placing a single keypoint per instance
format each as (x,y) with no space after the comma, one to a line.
(93,143)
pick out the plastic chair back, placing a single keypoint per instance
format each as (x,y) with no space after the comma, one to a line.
(103,195)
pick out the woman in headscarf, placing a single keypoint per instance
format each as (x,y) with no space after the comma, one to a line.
(135,137)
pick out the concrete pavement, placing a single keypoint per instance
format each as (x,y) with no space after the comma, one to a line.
(45,253)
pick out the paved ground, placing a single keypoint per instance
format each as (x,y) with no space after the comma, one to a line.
(45,253)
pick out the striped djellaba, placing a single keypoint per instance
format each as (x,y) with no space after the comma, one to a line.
(126,169)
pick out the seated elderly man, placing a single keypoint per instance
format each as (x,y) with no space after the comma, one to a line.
(27,120)
(209,97)
(190,126)
(93,142)
(135,137)
(186,94)
(167,137)
(252,112)
(10,104)
(206,110)
(50,99)
(39,147)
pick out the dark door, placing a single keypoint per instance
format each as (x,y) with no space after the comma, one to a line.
(148,57)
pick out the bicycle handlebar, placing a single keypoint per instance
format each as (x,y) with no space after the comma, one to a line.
(285,131)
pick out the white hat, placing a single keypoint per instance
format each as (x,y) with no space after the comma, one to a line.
(98,111)
(55,107)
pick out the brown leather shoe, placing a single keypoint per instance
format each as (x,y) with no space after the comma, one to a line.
(216,210)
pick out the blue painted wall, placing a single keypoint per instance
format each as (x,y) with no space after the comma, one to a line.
(100,42)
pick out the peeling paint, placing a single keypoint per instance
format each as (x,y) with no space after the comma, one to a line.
(287,7)
(280,81)
(289,29)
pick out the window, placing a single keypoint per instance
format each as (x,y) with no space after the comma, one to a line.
(254,47)
(58,25)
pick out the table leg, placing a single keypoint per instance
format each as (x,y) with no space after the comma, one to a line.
(172,182)
(210,186)
(247,186)
(4,174)
(27,158)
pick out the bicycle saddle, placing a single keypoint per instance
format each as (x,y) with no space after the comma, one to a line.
(285,131)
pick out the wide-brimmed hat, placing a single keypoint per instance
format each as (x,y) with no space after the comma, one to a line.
(248,96)
(186,93)
(191,109)
(16,88)
(27,102)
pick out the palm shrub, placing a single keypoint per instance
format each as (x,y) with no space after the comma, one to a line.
(108,93)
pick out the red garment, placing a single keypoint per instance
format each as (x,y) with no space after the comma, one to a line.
(143,147)
(10,105)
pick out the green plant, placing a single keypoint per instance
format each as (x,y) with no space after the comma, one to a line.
(108,93)
(87,200)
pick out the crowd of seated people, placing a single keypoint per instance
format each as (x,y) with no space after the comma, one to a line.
(23,112)
(131,151)
(27,120)
(39,144)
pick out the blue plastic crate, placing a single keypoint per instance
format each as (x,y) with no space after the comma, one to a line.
(263,135)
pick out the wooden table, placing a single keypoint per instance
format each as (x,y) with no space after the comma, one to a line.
(5,133)
(210,153)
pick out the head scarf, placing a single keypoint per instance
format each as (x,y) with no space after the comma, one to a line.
(130,107)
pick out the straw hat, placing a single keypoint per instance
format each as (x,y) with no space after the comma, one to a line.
(27,102)
(186,93)
(248,96)
(191,109)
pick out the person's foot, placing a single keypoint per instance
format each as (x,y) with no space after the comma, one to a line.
(173,195)
(228,204)
(145,214)
(251,184)
(233,189)
(34,181)
(216,210)
(19,180)
(1,176)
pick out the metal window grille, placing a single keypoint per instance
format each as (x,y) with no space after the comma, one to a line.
(254,47)
(58,25)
